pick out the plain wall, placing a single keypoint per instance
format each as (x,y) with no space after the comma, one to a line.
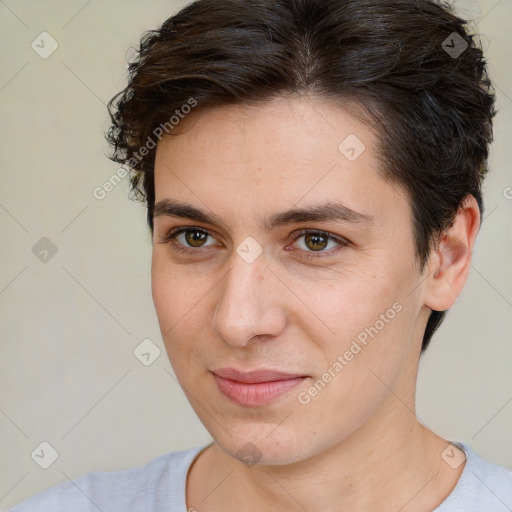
(69,325)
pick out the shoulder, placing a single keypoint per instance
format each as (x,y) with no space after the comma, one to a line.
(136,489)
(483,486)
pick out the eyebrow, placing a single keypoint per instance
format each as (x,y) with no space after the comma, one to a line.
(334,212)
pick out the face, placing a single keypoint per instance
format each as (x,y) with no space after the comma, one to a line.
(333,301)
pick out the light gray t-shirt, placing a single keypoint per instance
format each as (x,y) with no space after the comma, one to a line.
(159,486)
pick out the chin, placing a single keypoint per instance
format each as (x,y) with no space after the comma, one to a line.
(253,447)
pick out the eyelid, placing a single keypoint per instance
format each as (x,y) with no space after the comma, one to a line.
(327,234)
(175,232)
(342,242)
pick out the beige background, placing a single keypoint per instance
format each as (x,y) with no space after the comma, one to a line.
(69,326)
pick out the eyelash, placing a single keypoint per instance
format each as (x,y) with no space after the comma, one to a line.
(171,236)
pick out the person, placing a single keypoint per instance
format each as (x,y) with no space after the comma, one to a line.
(312,172)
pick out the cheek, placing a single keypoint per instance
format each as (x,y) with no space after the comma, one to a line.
(364,317)
(164,290)
(170,299)
(172,289)
(179,297)
(350,300)
(366,355)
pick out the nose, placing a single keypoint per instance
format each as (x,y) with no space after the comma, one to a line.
(249,303)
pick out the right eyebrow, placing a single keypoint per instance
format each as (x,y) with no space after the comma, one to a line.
(334,212)
(173,208)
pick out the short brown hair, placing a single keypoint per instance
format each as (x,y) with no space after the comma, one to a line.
(412,66)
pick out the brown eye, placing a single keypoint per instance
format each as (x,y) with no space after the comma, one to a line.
(195,238)
(316,242)
(189,240)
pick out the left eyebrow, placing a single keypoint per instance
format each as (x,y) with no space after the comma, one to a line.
(333,212)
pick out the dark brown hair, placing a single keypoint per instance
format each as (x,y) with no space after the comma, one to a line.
(411,66)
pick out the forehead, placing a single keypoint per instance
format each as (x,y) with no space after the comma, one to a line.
(287,152)
(297,129)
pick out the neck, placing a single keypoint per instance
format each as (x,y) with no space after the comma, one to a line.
(370,470)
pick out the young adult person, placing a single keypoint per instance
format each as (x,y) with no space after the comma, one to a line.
(312,172)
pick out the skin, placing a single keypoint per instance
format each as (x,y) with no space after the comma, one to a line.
(357,445)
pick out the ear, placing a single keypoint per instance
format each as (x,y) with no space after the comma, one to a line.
(449,264)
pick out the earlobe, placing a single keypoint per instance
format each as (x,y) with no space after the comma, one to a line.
(450,263)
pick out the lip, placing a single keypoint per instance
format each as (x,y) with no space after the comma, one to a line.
(257,387)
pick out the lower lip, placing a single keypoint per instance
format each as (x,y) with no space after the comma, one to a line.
(255,395)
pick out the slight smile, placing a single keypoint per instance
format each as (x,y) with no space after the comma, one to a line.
(257,387)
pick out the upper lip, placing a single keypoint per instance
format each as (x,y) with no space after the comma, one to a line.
(255,376)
